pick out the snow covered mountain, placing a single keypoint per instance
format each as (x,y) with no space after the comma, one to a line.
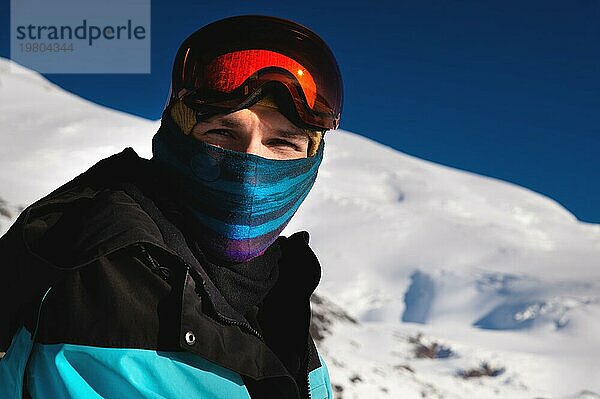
(436,282)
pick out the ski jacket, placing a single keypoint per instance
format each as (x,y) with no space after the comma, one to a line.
(102,297)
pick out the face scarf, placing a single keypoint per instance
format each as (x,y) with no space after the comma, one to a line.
(239,203)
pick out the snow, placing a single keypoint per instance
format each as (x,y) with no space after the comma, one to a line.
(474,269)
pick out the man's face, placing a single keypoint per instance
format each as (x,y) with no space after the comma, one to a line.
(260,130)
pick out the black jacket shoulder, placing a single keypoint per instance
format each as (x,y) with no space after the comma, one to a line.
(84,219)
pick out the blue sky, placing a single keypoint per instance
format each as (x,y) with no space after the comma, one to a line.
(509,89)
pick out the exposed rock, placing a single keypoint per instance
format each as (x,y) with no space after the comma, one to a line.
(324,314)
(484,370)
(432,350)
(4,209)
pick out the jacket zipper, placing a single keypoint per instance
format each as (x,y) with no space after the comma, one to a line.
(308,384)
(227,320)
(161,271)
(233,322)
(307,372)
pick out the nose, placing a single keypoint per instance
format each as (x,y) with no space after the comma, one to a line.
(253,145)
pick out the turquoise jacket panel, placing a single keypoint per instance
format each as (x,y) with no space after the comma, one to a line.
(319,383)
(12,365)
(79,371)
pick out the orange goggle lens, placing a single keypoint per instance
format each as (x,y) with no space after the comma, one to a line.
(229,71)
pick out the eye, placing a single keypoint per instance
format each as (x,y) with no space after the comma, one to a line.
(219,132)
(285,144)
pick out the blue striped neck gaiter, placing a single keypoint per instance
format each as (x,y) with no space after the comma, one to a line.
(239,202)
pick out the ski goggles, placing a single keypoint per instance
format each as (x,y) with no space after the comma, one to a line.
(278,56)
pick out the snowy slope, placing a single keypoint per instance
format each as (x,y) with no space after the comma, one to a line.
(428,272)
(48,136)
(495,272)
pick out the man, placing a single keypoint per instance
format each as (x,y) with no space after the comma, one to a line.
(167,278)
